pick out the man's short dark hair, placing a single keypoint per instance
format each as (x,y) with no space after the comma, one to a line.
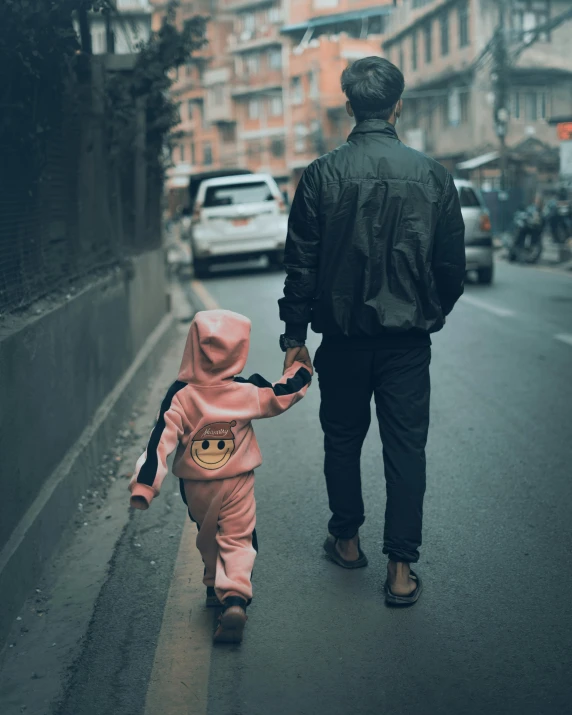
(373,87)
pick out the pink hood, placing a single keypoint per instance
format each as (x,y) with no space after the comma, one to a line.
(216,348)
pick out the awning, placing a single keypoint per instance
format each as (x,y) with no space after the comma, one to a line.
(478,161)
(336,19)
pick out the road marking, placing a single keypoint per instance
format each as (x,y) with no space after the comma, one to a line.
(564,338)
(207,300)
(495,310)
(180,677)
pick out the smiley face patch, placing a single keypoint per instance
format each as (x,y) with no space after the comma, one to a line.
(213,445)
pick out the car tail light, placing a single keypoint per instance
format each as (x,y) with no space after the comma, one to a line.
(281,205)
(485,223)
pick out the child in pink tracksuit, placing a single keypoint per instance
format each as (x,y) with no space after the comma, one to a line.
(207,416)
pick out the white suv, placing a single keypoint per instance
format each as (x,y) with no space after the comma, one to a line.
(238,218)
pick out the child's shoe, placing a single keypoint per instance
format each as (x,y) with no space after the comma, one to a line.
(212,599)
(231,621)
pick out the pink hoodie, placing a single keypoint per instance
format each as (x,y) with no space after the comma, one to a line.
(206,415)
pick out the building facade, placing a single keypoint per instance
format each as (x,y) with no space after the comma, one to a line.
(445,48)
(265,94)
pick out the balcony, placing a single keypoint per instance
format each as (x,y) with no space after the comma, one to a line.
(265,36)
(257,84)
(240,5)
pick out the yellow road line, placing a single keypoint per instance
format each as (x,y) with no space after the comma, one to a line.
(180,676)
(208,301)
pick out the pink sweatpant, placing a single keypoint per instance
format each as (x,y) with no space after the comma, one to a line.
(225,511)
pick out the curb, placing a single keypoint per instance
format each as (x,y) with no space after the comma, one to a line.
(44,525)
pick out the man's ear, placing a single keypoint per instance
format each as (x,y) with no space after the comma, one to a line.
(398,109)
(349,109)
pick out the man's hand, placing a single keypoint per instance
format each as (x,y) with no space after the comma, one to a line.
(298,355)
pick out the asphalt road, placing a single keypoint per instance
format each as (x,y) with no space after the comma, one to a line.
(493,629)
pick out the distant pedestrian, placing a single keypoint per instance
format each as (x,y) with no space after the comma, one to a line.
(207,417)
(375,260)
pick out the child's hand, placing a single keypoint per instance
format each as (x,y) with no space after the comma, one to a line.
(139,502)
(298,355)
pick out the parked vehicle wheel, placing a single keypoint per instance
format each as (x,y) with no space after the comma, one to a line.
(276,260)
(200,267)
(486,275)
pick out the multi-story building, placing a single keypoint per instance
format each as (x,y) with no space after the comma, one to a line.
(444,48)
(123,29)
(265,93)
(324,36)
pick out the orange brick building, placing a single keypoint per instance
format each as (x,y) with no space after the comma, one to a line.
(264,94)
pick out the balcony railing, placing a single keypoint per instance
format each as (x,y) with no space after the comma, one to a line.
(254,39)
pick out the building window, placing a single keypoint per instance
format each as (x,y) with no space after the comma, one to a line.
(275,15)
(248,23)
(428,32)
(193,154)
(464,38)
(300,132)
(544,105)
(275,59)
(217,95)
(314,85)
(207,154)
(254,109)
(414,50)
(445,112)
(464,99)
(324,4)
(276,109)
(190,110)
(252,63)
(297,90)
(516,105)
(444,22)
(531,106)
(182,153)
(277,147)
(527,15)
(99,39)
(228,132)
(401,58)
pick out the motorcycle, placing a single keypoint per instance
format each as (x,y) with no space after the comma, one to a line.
(526,240)
(559,220)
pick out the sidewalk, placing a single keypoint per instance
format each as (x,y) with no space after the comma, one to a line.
(48,634)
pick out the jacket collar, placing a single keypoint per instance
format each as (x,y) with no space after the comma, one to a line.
(374,126)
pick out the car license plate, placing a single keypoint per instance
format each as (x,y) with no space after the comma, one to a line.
(240,221)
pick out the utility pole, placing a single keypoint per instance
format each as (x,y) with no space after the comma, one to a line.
(500,77)
(501,84)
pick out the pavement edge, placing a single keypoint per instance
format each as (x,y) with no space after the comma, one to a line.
(45,525)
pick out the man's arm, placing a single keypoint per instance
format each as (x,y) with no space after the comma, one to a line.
(449,262)
(301,258)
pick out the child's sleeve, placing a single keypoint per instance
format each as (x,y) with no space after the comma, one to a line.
(151,467)
(275,398)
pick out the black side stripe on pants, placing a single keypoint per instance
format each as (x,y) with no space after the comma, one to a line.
(149,468)
(292,384)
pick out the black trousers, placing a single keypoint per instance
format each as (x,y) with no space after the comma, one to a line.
(399,381)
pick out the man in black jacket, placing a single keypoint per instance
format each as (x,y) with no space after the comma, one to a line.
(375,260)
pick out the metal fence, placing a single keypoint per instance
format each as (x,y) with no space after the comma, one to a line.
(81,212)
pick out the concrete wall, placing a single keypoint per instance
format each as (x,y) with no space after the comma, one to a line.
(55,374)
